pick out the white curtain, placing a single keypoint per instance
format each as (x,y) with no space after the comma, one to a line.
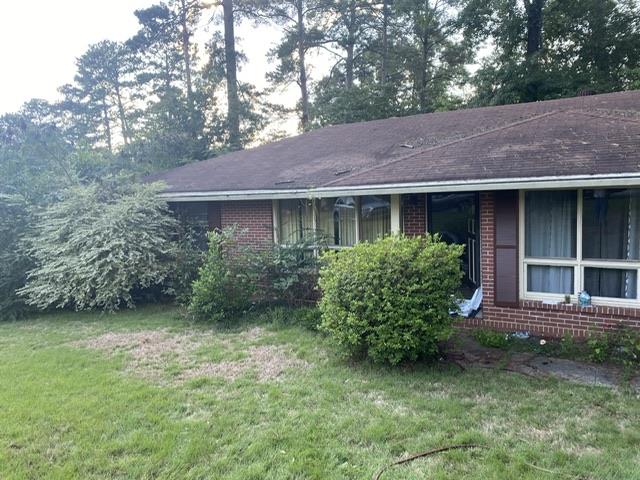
(296,219)
(611,227)
(375,217)
(550,232)
(337,220)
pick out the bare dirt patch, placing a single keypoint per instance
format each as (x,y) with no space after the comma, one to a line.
(269,362)
(151,352)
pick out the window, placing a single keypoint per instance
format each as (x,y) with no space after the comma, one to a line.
(296,219)
(195,216)
(584,239)
(341,221)
(375,217)
(337,220)
(609,282)
(610,224)
(550,233)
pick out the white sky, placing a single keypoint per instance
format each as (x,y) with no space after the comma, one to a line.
(40,40)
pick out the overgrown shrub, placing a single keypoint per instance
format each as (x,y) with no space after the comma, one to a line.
(491,338)
(620,346)
(627,349)
(227,280)
(391,299)
(14,263)
(289,273)
(97,245)
(188,260)
(599,345)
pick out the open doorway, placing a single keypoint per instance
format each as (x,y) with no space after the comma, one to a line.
(455,216)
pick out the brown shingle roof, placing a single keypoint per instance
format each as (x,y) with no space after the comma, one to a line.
(594,135)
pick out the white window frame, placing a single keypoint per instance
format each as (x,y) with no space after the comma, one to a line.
(578,264)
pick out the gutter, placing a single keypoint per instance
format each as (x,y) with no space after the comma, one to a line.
(518,183)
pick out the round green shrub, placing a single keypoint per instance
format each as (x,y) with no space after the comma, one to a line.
(391,299)
(226,282)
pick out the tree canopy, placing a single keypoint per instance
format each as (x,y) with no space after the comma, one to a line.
(161,99)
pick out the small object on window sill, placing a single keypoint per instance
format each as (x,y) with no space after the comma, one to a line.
(584,299)
(567,299)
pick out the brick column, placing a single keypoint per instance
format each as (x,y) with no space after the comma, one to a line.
(414,220)
(487,243)
(255,217)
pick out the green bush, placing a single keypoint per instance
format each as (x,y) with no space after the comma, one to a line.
(289,273)
(98,245)
(189,258)
(627,349)
(491,338)
(600,347)
(227,280)
(568,346)
(620,346)
(14,263)
(307,317)
(391,299)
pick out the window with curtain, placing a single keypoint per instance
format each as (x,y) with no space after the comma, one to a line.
(296,219)
(337,220)
(610,282)
(375,217)
(550,232)
(606,225)
(610,231)
(610,224)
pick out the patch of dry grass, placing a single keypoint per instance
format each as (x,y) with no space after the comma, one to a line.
(268,362)
(150,353)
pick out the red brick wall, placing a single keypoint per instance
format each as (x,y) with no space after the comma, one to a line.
(253,216)
(414,220)
(534,316)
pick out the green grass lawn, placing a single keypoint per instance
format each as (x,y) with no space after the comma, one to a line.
(90,396)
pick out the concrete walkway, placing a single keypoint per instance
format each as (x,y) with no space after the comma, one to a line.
(467,352)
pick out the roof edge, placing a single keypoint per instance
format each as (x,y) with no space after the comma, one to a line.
(524,183)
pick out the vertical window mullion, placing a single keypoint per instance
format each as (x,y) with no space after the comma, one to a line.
(275,205)
(314,215)
(524,288)
(314,225)
(358,233)
(579,271)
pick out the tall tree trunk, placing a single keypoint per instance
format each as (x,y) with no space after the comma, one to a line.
(167,73)
(184,17)
(233,102)
(123,119)
(534,46)
(107,124)
(351,40)
(534,26)
(422,94)
(385,41)
(304,94)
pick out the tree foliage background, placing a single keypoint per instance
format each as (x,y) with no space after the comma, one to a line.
(160,99)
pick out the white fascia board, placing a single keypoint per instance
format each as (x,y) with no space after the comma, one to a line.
(524,183)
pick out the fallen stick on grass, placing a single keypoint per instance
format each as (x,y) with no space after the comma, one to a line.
(423,454)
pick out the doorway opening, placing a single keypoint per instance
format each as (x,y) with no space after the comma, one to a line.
(456,217)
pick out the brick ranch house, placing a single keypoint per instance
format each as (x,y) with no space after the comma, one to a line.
(545,196)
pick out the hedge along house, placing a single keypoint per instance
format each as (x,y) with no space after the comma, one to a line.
(546,197)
